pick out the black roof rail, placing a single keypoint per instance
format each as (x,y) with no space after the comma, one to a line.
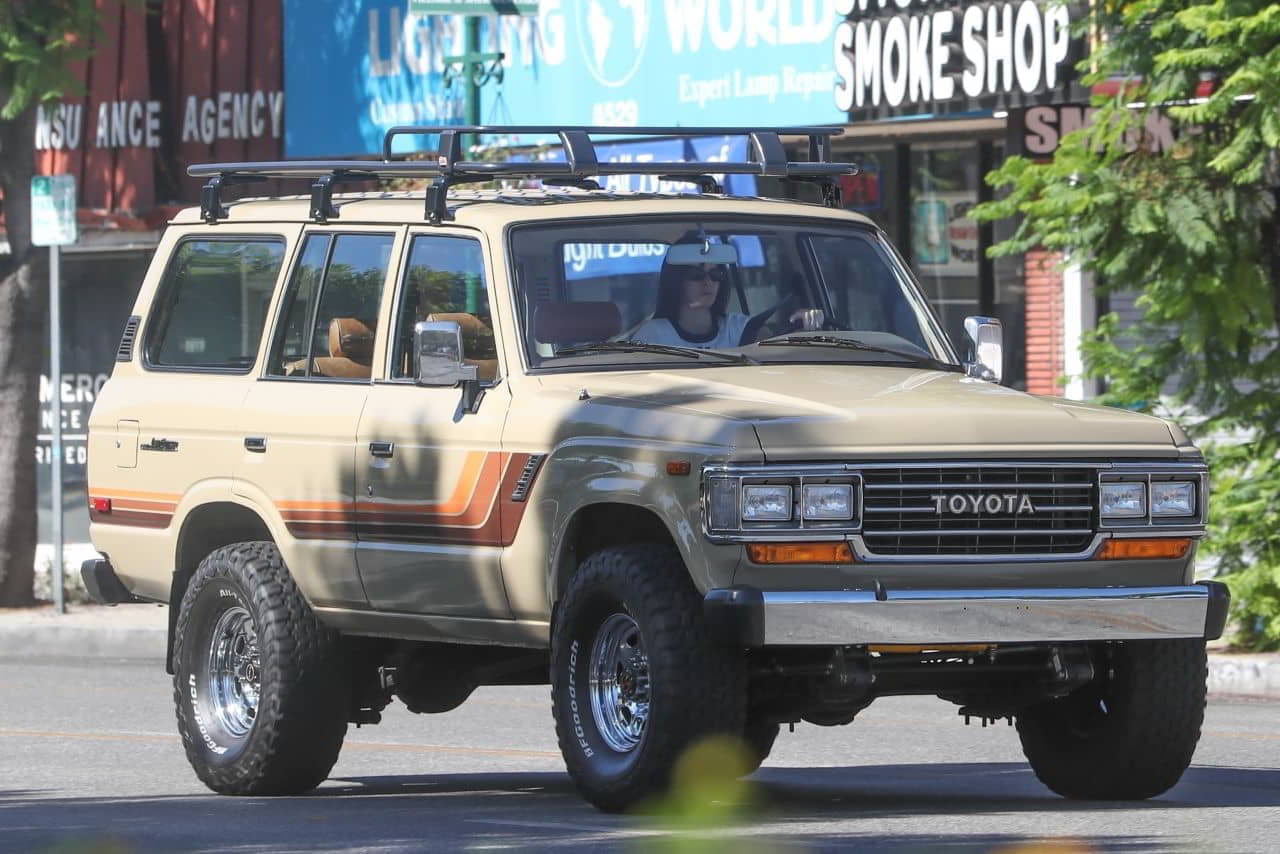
(766,156)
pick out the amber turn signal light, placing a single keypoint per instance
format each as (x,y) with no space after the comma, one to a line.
(1165,547)
(800,552)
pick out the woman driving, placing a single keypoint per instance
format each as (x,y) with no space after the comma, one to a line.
(691,309)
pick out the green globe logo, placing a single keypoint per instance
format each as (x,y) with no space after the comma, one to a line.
(613,35)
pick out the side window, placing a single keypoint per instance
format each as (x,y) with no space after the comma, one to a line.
(213,303)
(445,281)
(330,312)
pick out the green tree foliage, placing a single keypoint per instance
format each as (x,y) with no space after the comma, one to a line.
(39,39)
(1193,230)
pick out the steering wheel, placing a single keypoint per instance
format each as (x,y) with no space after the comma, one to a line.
(779,319)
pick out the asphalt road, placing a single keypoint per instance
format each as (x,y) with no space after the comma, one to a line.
(90,761)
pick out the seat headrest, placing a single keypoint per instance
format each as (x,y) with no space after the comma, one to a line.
(350,338)
(572,322)
(468,323)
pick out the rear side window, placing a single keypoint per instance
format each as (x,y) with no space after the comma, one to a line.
(330,316)
(213,304)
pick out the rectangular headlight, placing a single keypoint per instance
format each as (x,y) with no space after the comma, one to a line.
(762,503)
(1126,499)
(1174,498)
(722,503)
(827,501)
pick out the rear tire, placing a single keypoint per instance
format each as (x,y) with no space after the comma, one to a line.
(1131,732)
(262,689)
(636,678)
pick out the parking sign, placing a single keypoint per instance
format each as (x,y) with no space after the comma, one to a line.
(53,210)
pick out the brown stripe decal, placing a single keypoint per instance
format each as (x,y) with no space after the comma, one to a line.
(135,509)
(480,511)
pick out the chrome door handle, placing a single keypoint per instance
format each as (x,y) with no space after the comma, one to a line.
(382,449)
(256,444)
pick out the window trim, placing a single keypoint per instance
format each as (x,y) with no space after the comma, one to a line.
(397,307)
(164,289)
(283,310)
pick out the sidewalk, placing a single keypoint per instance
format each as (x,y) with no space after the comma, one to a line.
(139,632)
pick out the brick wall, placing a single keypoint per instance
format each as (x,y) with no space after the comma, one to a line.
(1045,361)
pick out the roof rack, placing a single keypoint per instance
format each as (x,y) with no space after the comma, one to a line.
(765,152)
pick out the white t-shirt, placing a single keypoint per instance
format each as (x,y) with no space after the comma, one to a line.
(660,330)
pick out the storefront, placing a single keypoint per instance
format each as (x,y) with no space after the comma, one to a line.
(169,84)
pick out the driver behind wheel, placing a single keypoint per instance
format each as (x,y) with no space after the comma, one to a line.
(692,310)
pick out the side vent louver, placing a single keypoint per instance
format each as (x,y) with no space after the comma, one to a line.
(125,352)
(521,492)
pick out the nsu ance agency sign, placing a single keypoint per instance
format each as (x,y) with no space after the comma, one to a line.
(905,57)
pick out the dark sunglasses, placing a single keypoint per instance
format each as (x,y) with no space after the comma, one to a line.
(715,274)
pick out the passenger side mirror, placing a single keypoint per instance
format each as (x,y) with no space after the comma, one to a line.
(986,341)
(439,360)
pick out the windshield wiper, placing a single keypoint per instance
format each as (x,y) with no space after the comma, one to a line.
(856,344)
(627,345)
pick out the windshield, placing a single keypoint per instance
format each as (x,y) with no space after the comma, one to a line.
(695,292)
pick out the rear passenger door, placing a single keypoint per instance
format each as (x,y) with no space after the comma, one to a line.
(431,477)
(299,420)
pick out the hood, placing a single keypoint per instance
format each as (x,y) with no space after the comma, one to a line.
(850,411)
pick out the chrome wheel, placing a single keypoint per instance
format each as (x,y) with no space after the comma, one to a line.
(235,671)
(620,683)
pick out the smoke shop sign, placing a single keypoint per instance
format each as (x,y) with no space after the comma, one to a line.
(899,57)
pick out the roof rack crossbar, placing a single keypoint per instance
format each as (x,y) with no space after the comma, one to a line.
(766,156)
(582,133)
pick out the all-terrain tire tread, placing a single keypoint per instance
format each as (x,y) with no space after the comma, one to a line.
(302,716)
(708,688)
(1144,750)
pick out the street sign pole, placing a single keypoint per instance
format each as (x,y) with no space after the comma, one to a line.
(53,224)
(55,377)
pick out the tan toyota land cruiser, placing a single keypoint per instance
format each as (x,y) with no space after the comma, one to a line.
(706,465)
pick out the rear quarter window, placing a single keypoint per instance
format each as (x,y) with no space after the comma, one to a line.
(212,304)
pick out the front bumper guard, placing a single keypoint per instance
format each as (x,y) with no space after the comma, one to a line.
(745,616)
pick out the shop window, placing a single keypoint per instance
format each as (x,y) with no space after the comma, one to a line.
(214,304)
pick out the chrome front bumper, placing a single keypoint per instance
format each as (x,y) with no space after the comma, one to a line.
(751,617)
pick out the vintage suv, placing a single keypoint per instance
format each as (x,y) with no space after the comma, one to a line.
(706,465)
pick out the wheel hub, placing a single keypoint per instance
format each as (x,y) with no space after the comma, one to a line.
(620,683)
(235,671)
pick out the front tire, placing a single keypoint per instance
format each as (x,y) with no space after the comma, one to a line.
(636,678)
(1131,732)
(262,690)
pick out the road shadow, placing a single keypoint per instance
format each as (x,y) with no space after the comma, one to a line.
(791,808)
(967,787)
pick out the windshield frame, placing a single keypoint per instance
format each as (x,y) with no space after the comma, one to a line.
(931,325)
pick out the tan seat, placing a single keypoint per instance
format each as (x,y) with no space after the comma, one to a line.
(350,350)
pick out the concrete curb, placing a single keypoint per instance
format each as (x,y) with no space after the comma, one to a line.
(85,632)
(1245,675)
(140,632)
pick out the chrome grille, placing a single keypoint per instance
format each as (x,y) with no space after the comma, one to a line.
(901,514)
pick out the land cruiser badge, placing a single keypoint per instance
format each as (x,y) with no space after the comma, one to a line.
(1011,503)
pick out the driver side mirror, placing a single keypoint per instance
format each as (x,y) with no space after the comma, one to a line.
(438,360)
(986,342)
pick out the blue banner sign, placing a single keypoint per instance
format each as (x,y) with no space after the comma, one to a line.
(354,68)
